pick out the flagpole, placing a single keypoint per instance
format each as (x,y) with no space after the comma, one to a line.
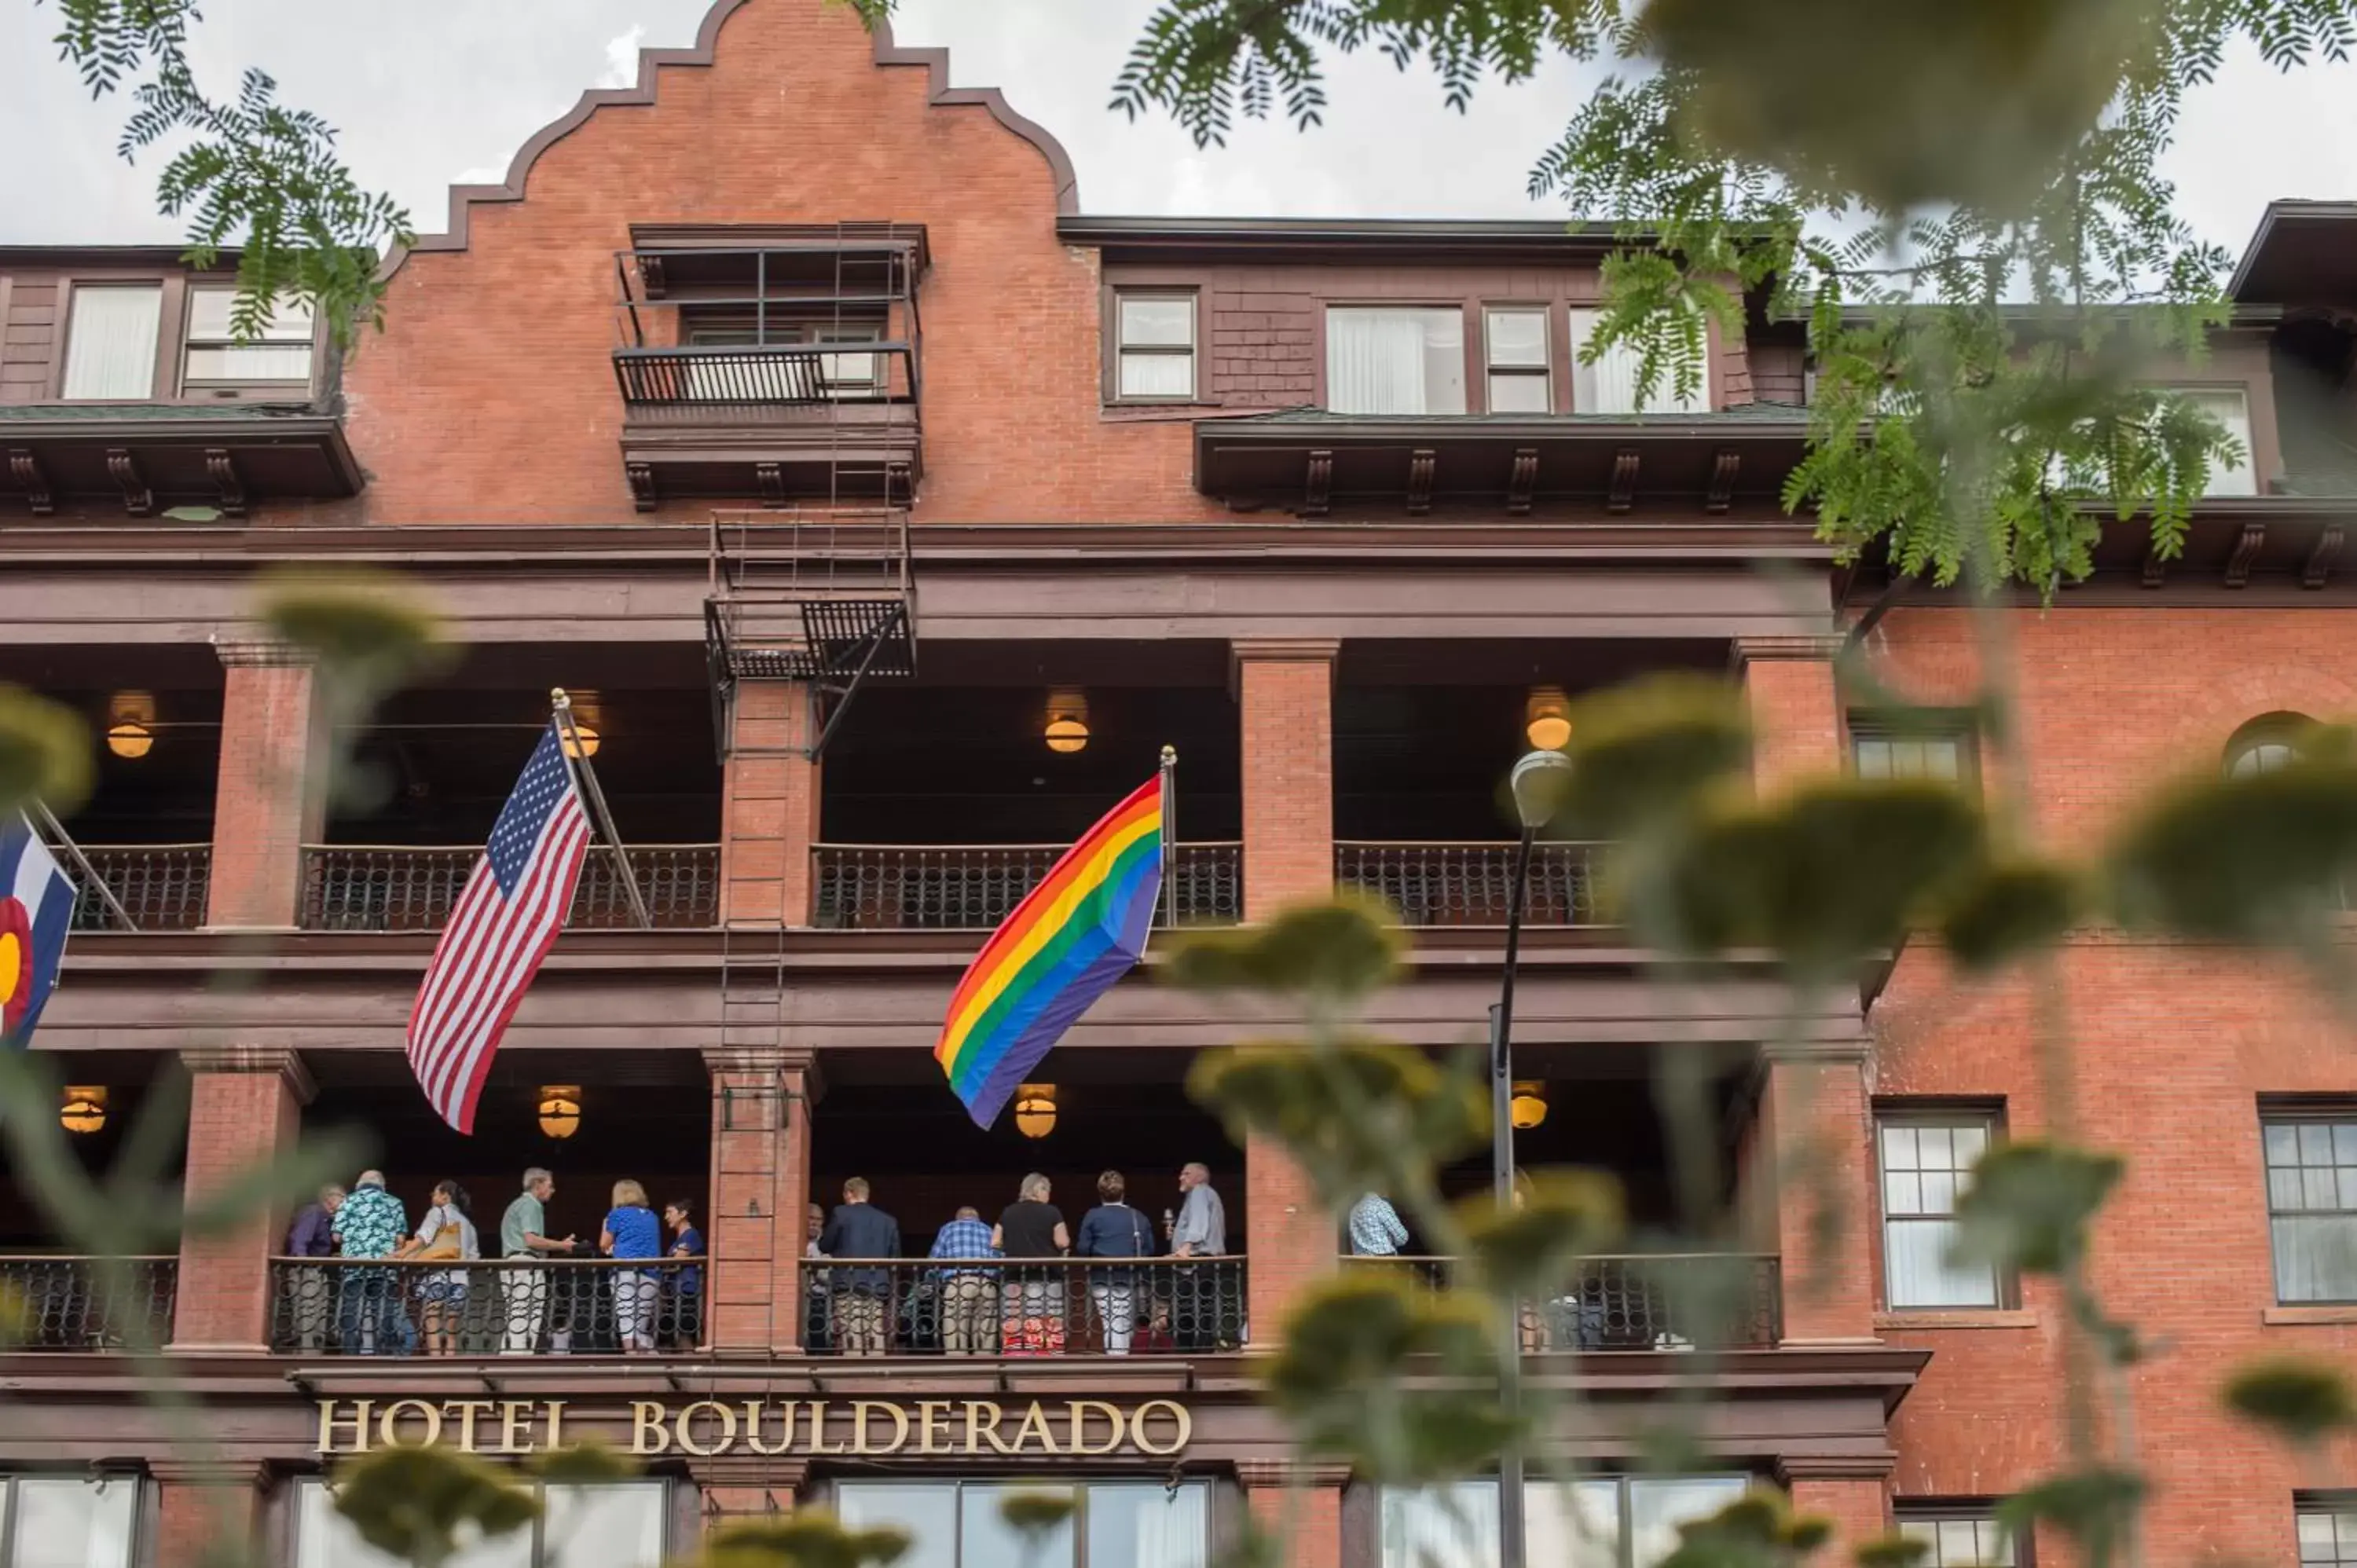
(577,761)
(48,822)
(1170,836)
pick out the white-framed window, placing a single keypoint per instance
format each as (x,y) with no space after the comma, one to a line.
(1926,1161)
(1395,359)
(1604,1521)
(2328,1531)
(213,358)
(68,1521)
(1957,1537)
(1514,341)
(1113,1524)
(1154,347)
(1609,385)
(111,340)
(621,1524)
(2230,406)
(2311,1163)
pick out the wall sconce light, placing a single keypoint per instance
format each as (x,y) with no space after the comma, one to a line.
(130,724)
(1529,1106)
(1034,1110)
(1068,721)
(1546,718)
(587,715)
(560,1110)
(82,1107)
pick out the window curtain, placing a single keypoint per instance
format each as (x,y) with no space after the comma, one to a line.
(2232,409)
(2315,1257)
(1167,1529)
(1609,385)
(111,342)
(1444,1526)
(325,1539)
(611,1525)
(1394,362)
(1915,1256)
(75,1523)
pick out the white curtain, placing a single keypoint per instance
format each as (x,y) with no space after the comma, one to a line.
(325,1539)
(1443,1527)
(2315,1257)
(1656,1509)
(1146,1525)
(2232,409)
(1387,360)
(111,342)
(1609,385)
(1915,1258)
(75,1523)
(928,1511)
(615,1526)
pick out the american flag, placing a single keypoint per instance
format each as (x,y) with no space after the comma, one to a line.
(500,929)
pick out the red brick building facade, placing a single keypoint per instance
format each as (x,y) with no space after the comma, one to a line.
(788,409)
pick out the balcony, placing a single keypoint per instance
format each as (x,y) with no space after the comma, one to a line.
(57,1302)
(968,888)
(580,1306)
(1439,884)
(162,887)
(1662,1301)
(397,887)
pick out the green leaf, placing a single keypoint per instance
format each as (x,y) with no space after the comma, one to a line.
(1644,751)
(290,1175)
(2029,1205)
(1341,949)
(1758,1529)
(1034,1512)
(2007,909)
(1891,1552)
(586,1463)
(1529,1250)
(368,633)
(2258,858)
(2093,1507)
(808,1538)
(2301,1402)
(45,752)
(1355,1114)
(421,1502)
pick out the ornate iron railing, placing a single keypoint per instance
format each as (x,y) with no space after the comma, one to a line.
(71,1304)
(161,886)
(1026,1307)
(395,887)
(951,888)
(490,1307)
(1470,884)
(1658,1301)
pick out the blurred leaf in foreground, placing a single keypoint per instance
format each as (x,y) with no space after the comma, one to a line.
(1530,1250)
(45,752)
(2029,1206)
(423,1503)
(1352,1113)
(1643,752)
(2010,908)
(808,1538)
(2093,1507)
(1758,1529)
(1338,950)
(2254,858)
(2301,1402)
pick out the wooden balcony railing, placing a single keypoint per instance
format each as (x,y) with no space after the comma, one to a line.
(957,887)
(58,1302)
(162,887)
(1435,883)
(395,887)
(1654,1301)
(489,1306)
(1024,1306)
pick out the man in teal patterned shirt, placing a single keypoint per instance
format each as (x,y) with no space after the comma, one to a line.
(372,1224)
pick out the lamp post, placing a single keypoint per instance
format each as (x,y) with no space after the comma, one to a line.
(1537,785)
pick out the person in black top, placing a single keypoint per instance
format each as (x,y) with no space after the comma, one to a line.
(1113,1230)
(859,1230)
(1033,1300)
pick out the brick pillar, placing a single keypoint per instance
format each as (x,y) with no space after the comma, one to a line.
(1284,692)
(1300,1505)
(760,1188)
(1796,716)
(245,1106)
(738,1488)
(204,1507)
(1817,1130)
(270,798)
(1857,1502)
(769,806)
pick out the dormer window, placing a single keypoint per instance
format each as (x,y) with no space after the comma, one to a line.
(1394,360)
(111,333)
(1609,385)
(280,356)
(1517,344)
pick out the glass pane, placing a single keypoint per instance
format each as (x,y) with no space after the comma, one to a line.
(1942,760)
(1656,1509)
(617,1526)
(2315,1257)
(1574,1526)
(1524,393)
(258,363)
(2283,1144)
(1939,1193)
(1920,1530)
(111,342)
(926,1509)
(1159,321)
(2231,409)
(987,1540)
(324,1538)
(1902,1193)
(1959,1544)
(1971,1143)
(209,318)
(75,1523)
(2346,1177)
(1898,1149)
(1932,1150)
(2316,1538)
(1873,758)
(1146,1524)
(1157,375)
(1395,361)
(1609,385)
(2315,1144)
(1446,1526)
(2345,1143)
(1915,1260)
(1517,337)
(2318,1190)
(2283,1189)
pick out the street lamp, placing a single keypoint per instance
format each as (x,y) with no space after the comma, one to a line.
(1537,784)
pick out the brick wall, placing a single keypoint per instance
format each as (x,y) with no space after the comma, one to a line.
(769,806)
(760,1173)
(271,790)
(245,1106)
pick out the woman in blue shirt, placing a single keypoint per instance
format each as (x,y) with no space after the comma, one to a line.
(631,1230)
(1113,1230)
(683,1288)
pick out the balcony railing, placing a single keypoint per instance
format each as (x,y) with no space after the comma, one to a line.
(580,1306)
(161,886)
(735,384)
(1031,1306)
(73,1304)
(1662,1301)
(1470,884)
(958,887)
(391,887)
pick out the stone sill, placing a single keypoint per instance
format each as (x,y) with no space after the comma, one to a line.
(1971,1317)
(2344,1313)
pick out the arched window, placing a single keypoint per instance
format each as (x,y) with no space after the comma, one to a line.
(2270,742)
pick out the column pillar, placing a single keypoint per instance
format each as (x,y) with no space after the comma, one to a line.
(1300,1505)
(205,1506)
(270,794)
(1795,705)
(769,806)
(1285,697)
(1815,1144)
(738,1488)
(245,1106)
(761,1185)
(1854,1495)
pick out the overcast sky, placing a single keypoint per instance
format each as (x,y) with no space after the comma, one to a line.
(428,92)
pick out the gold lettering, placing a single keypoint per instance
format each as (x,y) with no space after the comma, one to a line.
(818,1430)
(859,1443)
(1035,1420)
(515,1426)
(1182,1426)
(1080,1410)
(555,1409)
(467,1410)
(328,1421)
(722,1414)
(389,1424)
(754,1414)
(933,1418)
(647,1434)
(976,1432)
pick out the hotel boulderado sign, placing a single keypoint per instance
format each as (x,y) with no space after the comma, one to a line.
(809,1429)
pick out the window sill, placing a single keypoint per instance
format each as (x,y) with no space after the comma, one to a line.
(2340,1313)
(1968,1317)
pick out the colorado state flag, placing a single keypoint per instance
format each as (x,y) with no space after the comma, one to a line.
(36,906)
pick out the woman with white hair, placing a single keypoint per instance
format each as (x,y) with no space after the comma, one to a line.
(1033,1300)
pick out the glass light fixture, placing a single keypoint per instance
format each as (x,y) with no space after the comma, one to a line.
(130,724)
(1529,1106)
(560,1109)
(1546,718)
(82,1108)
(1034,1110)
(588,713)
(1068,721)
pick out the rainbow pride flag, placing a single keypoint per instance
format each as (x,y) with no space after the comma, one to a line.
(1063,947)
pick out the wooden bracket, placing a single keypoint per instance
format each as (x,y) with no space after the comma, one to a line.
(898,488)
(771,477)
(1523,481)
(642,485)
(2245,552)
(222,469)
(1724,465)
(1419,481)
(1318,493)
(2156,568)
(26,469)
(2320,558)
(1623,495)
(137,498)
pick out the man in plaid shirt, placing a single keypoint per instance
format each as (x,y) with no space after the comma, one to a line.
(968,1296)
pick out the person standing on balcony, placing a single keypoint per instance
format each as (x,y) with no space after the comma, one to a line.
(311,1292)
(1033,1300)
(858,1228)
(683,1283)
(1375,1228)
(969,1296)
(371,1223)
(1201,1231)
(817,1328)
(631,1231)
(444,1233)
(1113,1230)
(524,1242)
